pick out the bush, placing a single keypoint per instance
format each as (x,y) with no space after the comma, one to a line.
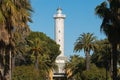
(25,73)
(95,73)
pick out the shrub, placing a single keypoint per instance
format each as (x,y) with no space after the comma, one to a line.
(25,73)
(95,73)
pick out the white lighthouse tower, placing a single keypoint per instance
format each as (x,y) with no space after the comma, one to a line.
(59,29)
(59,38)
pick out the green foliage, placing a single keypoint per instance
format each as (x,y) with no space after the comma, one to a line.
(37,44)
(25,73)
(111,27)
(76,65)
(46,46)
(102,55)
(95,73)
(86,42)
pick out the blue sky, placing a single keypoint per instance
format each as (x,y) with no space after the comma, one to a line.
(80,17)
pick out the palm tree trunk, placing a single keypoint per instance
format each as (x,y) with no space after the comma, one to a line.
(111,65)
(10,66)
(10,55)
(36,62)
(50,74)
(13,62)
(6,66)
(87,60)
(1,76)
(114,56)
(1,64)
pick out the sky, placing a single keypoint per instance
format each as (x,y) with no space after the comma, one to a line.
(80,18)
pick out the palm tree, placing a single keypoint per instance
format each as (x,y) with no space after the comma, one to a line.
(47,51)
(14,15)
(36,49)
(19,50)
(86,42)
(74,67)
(111,27)
(102,56)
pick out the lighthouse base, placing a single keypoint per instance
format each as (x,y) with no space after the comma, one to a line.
(59,76)
(60,73)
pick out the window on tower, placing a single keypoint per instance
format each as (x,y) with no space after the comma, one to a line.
(59,31)
(59,40)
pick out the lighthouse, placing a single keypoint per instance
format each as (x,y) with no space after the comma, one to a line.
(59,18)
(59,29)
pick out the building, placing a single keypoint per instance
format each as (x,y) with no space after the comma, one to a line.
(59,38)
